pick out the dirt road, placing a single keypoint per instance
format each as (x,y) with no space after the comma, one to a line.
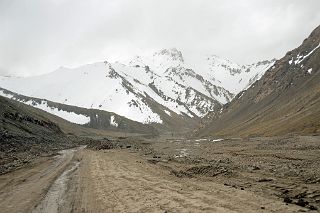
(120,181)
(22,190)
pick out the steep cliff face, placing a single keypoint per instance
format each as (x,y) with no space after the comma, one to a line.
(285,100)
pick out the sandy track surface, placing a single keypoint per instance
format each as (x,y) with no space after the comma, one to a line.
(119,181)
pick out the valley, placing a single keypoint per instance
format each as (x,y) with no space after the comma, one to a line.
(167,131)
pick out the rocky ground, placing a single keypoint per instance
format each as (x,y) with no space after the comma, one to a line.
(284,168)
(279,174)
(17,150)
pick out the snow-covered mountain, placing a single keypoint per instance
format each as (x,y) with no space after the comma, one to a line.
(144,88)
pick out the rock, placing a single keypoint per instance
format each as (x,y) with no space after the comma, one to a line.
(153,161)
(265,180)
(302,202)
(311,207)
(287,200)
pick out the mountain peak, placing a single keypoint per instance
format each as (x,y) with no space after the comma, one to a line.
(173,53)
(263,62)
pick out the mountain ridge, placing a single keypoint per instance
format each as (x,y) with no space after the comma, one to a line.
(127,88)
(285,100)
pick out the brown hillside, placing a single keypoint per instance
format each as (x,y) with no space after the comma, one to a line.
(285,100)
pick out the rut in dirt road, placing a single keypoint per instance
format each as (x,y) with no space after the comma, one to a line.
(22,190)
(54,199)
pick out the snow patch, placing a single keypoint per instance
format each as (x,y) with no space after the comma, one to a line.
(290,62)
(167,112)
(113,121)
(5,94)
(216,140)
(69,116)
(301,58)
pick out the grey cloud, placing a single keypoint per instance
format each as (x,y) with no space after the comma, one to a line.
(38,36)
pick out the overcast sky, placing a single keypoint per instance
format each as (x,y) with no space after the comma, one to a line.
(38,36)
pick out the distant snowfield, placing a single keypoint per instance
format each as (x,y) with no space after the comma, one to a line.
(127,88)
(69,116)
